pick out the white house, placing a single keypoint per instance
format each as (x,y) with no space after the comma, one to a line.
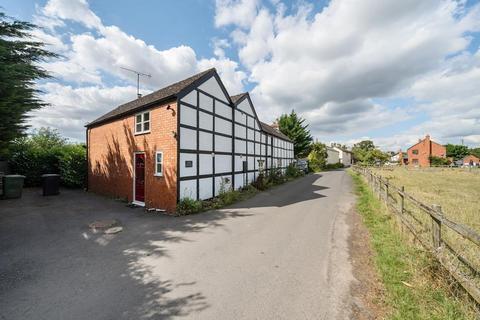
(333,156)
(345,156)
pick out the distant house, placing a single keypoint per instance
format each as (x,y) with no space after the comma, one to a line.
(419,154)
(345,156)
(400,158)
(333,156)
(471,161)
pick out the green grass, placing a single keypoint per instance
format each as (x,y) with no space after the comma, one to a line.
(399,262)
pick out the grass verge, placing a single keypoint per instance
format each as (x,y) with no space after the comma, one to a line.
(416,286)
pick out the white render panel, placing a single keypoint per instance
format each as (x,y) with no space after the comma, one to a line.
(191,98)
(223,163)
(223,110)
(239,180)
(239,117)
(262,149)
(206,164)
(258,149)
(191,171)
(188,139)
(223,126)
(251,163)
(245,107)
(250,147)
(240,131)
(205,188)
(239,163)
(212,87)
(205,121)
(250,134)
(188,116)
(205,141)
(188,189)
(251,177)
(206,102)
(240,146)
(226,180)
(223,144)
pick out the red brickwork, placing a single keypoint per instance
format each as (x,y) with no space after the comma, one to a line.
(471,160)
(110,156)
(420,153)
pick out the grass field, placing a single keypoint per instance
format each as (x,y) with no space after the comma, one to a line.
(415,286)
(456,190)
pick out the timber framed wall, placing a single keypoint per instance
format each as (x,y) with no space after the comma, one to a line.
(221,143)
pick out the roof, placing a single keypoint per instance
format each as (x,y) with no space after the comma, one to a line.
(163,94)
(341,149)
(274,132)
(237,97)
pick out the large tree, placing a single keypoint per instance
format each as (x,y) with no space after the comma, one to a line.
(457,151)
(366,153)
(317,158)
(19,69)
(293,127)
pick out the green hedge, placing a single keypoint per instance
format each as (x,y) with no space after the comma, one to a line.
(47,152)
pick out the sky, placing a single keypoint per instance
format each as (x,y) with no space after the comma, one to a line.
(386,70)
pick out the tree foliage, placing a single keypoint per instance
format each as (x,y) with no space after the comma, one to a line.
(475,152)
(19,69)
(438,161)
(457,151)
(46,151)
(293,127)
(366,153)
(317,158)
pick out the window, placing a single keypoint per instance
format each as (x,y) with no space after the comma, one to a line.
(142,122)
(159,163)
(415,151)
(415,162)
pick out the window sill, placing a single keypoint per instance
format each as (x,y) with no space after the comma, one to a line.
(158,175)
(143,132)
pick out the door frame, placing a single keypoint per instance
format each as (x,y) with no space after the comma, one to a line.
(134,201)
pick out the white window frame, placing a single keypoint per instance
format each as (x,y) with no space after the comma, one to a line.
(158,174)
(143,122)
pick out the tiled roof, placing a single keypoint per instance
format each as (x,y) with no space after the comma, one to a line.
(238,97)
(274,132)
(159,95)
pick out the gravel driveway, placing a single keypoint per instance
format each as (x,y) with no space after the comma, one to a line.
(280,255)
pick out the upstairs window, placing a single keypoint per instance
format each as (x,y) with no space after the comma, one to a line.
(142,122)
(159,163)
(415,151)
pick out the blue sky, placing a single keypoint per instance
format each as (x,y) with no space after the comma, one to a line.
(392,74)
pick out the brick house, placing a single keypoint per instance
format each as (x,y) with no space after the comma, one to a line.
(189,139)
(471,161)
(419,154)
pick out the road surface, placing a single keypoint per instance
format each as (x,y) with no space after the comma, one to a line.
(280,255)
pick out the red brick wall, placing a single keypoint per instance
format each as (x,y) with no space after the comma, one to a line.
(110,157)
(425,149)
(472,158)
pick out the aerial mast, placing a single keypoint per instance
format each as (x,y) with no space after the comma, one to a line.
(138,73)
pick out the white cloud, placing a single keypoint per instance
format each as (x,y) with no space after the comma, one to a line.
(238,12)
(330,64)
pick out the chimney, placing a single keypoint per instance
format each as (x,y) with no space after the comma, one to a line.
(274,125)
(427,137)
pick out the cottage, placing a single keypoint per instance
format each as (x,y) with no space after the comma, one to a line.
(333,156)
(471,161)
(190,139)
(420,153)
(345,156)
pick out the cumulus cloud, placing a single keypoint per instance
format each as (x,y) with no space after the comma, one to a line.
(328,65)
(100,51)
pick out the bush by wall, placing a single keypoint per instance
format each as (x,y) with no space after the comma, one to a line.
(47,152)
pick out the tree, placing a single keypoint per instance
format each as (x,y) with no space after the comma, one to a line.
(457,151)
(475,152)
(366,153)
(437,161)
(317,158)
(293,127)
(19,69)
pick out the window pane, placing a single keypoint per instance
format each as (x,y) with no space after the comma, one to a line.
(146,116)
(138,118)
(146,126)
(159,158)
(138,127)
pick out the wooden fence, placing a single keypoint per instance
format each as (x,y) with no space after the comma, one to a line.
(455,246)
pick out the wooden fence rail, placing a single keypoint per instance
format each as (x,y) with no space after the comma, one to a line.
(438,246)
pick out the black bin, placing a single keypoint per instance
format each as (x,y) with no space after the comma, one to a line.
(51,184)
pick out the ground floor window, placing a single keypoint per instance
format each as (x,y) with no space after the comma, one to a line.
(159,163)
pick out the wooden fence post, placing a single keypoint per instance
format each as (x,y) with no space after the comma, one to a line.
(437,227)
(402,200)
(386,192)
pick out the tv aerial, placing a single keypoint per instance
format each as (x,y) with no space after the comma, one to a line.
(138,73)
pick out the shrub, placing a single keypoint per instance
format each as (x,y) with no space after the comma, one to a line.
(317,158)
(437,161)
(73,165)
(331,166)
(188,206)
(293,171)
(275,177)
